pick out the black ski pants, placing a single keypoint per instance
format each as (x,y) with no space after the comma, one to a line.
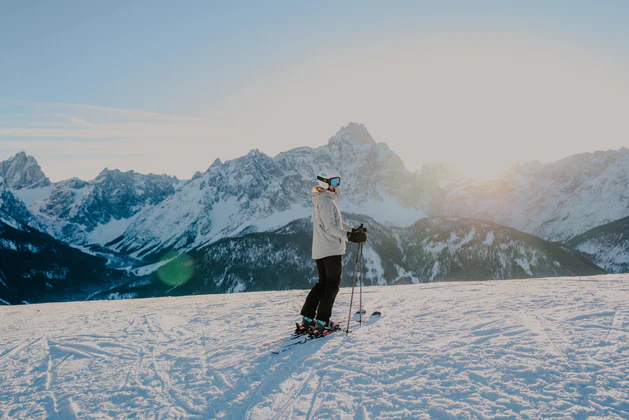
(321,298)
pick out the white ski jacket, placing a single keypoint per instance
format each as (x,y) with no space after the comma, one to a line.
(329,233)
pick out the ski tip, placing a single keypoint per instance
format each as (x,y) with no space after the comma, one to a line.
(376,313)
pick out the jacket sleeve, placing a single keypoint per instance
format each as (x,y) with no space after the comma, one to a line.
(326,213)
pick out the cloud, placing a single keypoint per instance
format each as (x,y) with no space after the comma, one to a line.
(42,119)
(76,121)
(159,142)
(120,114)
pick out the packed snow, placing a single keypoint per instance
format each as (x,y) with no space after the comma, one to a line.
(545,348)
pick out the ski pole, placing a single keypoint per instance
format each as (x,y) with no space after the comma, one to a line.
(351,300)
(360,271)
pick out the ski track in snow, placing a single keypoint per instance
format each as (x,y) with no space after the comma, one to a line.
(544,348)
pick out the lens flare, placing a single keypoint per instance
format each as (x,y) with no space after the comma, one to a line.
(177,271)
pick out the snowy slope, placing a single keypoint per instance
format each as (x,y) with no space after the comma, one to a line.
(547,348)
(555,201)
(14,207)
(606,245)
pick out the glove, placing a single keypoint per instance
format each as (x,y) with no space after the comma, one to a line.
(360,228)
(358,236)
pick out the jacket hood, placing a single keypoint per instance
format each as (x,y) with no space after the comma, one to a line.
(318,191)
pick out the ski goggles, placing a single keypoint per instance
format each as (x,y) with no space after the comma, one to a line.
(335,182)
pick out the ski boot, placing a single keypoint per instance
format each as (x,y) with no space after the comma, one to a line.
(306,326)
(322,328)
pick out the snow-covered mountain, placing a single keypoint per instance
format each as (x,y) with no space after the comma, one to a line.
(259,206)
(146,215)
(259,193)
(433,249)
(522,349)
(606,245)
(34,267)
(555,201)
(95,212)
(22,171)
(445,249)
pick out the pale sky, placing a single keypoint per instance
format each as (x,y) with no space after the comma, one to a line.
(164,88)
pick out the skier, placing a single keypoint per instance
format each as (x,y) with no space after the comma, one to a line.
(328,246)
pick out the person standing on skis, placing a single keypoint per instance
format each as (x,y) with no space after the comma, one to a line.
(329,239)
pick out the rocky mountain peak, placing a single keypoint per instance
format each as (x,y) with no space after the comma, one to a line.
(114,176)
(23,171)
(214,168)
(353,132)
(113,172)
(255,153)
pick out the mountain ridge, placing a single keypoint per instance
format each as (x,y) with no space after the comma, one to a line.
(139,217)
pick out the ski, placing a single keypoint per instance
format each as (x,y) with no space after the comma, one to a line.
(361,315)
(364,321)
(279,340)
(295,335)
(293,341)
